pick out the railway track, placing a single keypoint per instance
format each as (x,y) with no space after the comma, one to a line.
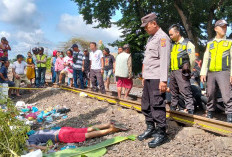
(212,125)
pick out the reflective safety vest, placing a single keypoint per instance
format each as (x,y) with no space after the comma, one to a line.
(40,58)
(219,55)
(179,55)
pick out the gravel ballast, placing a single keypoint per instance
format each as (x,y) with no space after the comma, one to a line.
(183,141)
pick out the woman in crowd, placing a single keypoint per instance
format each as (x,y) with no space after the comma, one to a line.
(30,67)
(68,70)
(59,65)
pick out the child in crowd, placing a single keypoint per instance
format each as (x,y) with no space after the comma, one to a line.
(68,70)
(4,77)
(109,64)
(18,68)
(30,67)
(59,65)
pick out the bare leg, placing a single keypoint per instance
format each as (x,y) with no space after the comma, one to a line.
(101,126)
(71,82)
(101,132)
(60,78)
(127,92)
(119,92)
(123,90)
(108,83)
(17,92)
(88,83)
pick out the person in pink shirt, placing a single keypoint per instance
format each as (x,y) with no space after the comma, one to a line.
(59,65)
(68,70)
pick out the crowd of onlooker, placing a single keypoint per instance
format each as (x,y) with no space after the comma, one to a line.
(79,69)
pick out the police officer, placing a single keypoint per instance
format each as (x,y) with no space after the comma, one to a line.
(41,60)
(217,67)
(155,75)
(182,56)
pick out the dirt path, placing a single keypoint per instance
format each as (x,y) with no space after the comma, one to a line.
(185,142)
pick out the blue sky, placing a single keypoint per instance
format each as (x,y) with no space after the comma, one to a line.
(48,22)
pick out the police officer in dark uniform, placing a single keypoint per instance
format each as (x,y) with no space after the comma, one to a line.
(155,76)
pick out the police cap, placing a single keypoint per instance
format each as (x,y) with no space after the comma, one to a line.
(221,23)
(148,18)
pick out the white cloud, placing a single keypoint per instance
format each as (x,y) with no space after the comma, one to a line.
(5,34)
(75,26)
(19,13)
(24,41)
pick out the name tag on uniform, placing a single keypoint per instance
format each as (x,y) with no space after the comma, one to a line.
(211,46)
(226,43)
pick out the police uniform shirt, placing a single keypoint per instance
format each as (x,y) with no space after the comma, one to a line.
(157,57)
(190,51)
(204,69)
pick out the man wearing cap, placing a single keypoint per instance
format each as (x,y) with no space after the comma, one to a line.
(182,57)
(155,76)
(41,60)
(78,66)
(4,45)
(217,67)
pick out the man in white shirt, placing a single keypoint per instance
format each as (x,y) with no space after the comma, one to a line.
(18,68)
(96,68)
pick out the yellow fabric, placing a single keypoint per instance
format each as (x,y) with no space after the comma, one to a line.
(206,59)
(41,58)
(184,49)
(219,51)
(30,70)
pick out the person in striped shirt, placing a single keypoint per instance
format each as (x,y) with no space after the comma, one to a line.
(78,66)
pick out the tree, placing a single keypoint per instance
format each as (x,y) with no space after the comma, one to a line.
(84,44)
(196,17)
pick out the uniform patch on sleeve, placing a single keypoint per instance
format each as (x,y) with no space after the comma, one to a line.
(163,42)
(189,51)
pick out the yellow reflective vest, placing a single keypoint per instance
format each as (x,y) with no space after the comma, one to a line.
(179,55)
(41,58)
(219,55)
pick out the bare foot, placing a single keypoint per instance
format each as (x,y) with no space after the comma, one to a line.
(18,95)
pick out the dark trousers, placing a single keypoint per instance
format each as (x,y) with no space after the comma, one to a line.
(41,77)
(178,85)
(80,74)
(153,105)
(219,79)
(96,76)
(36,77)
(53,74)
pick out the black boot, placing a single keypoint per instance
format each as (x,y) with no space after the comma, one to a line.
(209,114)
(190,111)
(159,138)
(173,108)
(229,117)
(148,133)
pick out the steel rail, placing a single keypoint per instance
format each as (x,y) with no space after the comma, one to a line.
(212,125)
